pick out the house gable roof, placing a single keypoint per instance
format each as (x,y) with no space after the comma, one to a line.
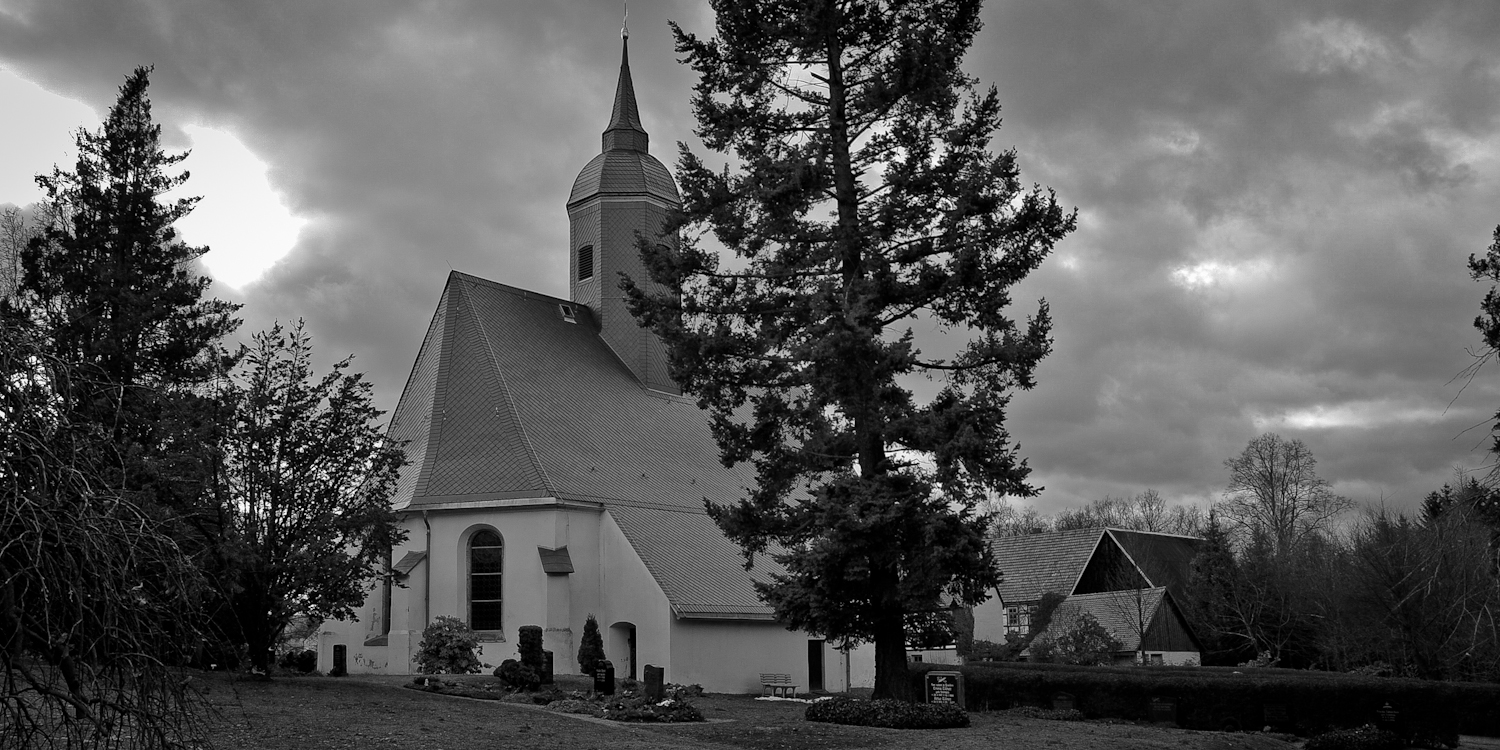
(508,399)
(1034,564)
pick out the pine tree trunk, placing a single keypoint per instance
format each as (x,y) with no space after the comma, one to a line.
(891,680)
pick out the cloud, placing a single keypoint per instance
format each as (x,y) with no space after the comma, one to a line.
(1276,198)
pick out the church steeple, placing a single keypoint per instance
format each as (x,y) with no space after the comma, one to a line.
(625,131)
(623,196)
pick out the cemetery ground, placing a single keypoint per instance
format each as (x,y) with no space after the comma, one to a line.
(302,713)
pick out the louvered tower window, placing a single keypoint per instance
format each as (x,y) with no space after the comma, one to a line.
(486,564)
(585,262)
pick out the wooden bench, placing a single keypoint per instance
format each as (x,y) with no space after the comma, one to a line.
(779,685)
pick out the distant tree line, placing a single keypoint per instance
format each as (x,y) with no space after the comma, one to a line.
(1289,575)
(166,501)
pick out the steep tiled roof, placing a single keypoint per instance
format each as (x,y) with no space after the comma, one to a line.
(524,404)
(1165,559)
(1034,564)
(700,570)
(1122,613)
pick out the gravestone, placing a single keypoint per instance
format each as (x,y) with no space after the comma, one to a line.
(1163,709)
(1064,702)
(546,667)
(945,687)
(1387,715)
(1276,714)
(655,677)
(604,678)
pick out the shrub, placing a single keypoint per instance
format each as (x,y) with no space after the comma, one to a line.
(1366,737)
(517,676)
(447,647)
(299,660)
(530,647)
(591,650)
(639,708)
(892,714)
(1084,642)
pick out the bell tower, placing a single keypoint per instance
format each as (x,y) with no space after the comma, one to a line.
(624,193)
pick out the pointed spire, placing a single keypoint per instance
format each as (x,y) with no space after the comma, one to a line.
(625,131)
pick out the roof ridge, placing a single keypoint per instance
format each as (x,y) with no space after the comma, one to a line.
(1153,533)
(505,395)
(515,290)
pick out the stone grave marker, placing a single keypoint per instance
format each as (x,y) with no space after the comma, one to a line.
(1163,709)
(654,683)
(1276,714)
(604,678)
(1388,715)
(1064,702)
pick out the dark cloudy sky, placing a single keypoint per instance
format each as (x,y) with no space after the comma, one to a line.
(1276,199)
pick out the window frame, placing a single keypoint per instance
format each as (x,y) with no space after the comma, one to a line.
(499,573)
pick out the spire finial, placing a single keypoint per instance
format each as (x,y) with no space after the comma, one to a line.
(625,25)
(624,130)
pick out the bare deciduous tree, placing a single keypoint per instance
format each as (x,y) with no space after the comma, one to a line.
(1147,511)
(92,587)
(15,233)
(1274,489)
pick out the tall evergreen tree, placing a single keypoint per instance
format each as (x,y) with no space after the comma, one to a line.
(120,302)
(802,347)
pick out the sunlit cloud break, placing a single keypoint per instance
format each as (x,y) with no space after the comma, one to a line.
(240,217)
(1354,414)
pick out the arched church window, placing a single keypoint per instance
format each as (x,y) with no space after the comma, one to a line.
(585,262)
(486,563)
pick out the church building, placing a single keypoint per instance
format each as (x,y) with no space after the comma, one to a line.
(556,471)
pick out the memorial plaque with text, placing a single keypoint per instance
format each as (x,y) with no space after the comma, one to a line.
(945,687)
(1164,710)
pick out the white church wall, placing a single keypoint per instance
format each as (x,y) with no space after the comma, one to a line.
(629,595)
(729,657)
(862,666)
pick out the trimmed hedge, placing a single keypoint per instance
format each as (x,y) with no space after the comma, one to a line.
(892,714)
(1239,698)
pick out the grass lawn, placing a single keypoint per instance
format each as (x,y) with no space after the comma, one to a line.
(298,713)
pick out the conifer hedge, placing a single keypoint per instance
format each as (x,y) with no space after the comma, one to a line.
(1240,698)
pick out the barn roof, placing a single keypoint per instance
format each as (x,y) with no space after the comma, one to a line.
(1034,564)
(1122,613)
(515,396)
